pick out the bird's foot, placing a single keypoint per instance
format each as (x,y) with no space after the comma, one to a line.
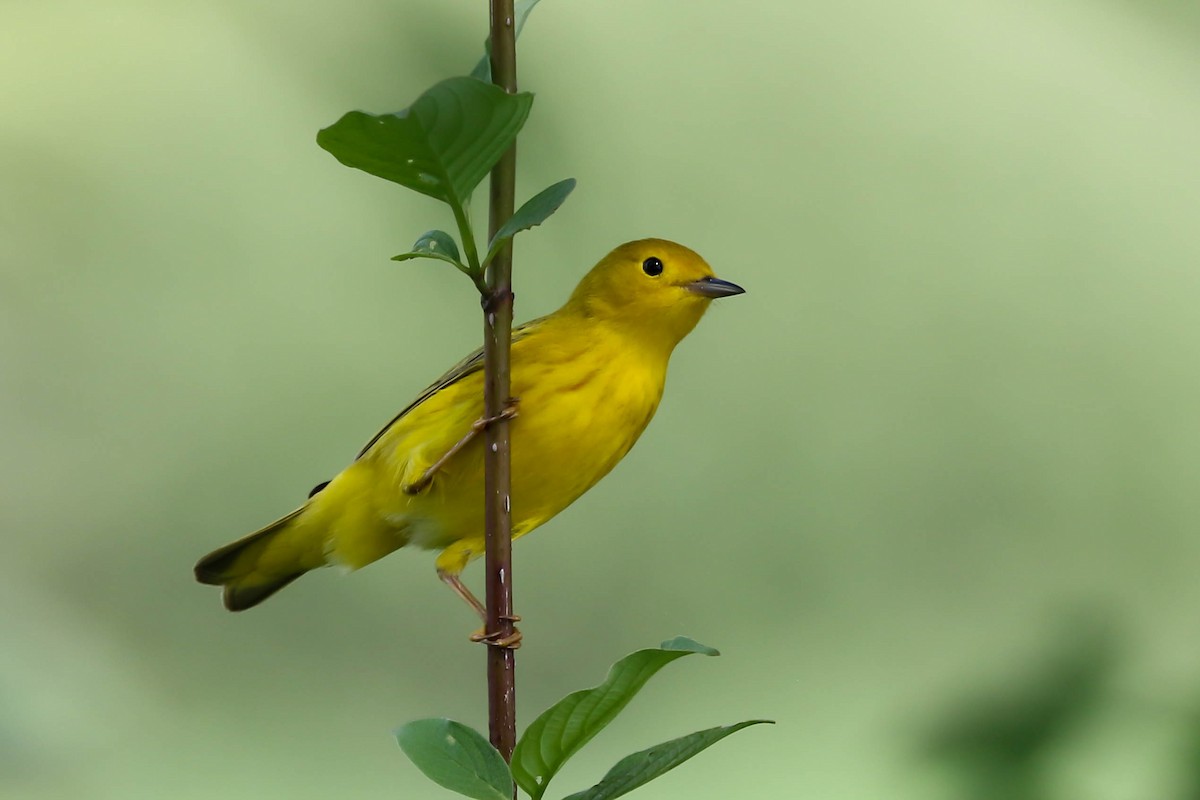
(510,411)
(509,641)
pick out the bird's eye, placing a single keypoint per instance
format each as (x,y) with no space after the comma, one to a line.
(652,267)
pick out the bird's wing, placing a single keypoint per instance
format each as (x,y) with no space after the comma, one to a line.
(471,364)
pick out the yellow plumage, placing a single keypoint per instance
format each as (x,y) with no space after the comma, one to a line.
(588,377)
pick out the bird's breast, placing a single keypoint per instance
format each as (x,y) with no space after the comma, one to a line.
(576,421)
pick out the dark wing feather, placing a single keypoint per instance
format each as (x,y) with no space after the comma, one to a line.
(471,364)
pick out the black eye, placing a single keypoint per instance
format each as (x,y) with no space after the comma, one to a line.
(652,266)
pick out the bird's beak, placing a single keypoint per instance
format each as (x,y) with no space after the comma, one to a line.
(714,288)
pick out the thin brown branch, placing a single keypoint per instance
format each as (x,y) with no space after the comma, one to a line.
(497,345)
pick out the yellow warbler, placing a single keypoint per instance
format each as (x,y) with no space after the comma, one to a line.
(588,377)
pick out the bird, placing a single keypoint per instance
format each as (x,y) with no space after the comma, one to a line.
(586,381)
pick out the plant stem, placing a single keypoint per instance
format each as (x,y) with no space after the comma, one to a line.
(468,239)
(497,344)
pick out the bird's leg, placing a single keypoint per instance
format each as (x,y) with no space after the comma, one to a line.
(427,476)
(512,641)
(462,591)
(478,426)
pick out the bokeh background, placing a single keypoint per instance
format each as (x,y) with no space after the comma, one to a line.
(931,484)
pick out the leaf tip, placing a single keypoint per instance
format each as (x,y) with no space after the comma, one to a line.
(689,645)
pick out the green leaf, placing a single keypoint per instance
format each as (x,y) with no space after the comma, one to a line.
(536,210)
(483,70)
(571,723)
(435,244)
(640,768)
(456,757)
(442,145)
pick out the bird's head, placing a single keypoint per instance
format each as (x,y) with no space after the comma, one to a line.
(655,288)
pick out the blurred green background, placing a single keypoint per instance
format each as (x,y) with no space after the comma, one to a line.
(931,484)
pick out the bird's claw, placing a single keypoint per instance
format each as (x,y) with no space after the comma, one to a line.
(509,641)
(510,411)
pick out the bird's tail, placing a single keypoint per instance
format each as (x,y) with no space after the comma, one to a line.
(257,566)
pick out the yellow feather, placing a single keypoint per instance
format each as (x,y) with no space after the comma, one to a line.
(589,378)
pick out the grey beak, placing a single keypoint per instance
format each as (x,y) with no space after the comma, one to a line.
(714,288)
